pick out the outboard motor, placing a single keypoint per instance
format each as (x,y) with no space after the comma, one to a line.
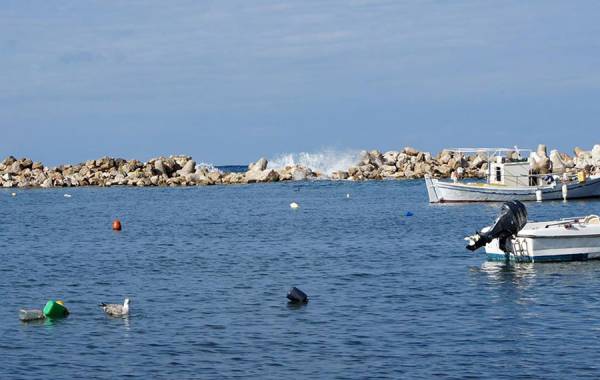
(513,217)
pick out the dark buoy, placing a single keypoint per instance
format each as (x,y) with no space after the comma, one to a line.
(408,213)
(116,226)
(296,295)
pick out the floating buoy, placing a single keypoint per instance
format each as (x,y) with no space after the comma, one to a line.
(347,195)
(67,195)
(296,295)
(408,213)
(13,194)
(55,309)
(294,205)
(538,195)
(116,225)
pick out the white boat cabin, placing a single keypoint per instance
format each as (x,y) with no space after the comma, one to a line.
(512,174)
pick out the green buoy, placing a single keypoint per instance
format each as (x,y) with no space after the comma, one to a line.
(55,309)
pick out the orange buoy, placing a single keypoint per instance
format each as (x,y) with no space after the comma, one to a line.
(116,225)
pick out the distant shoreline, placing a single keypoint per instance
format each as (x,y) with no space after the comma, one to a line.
(182,170)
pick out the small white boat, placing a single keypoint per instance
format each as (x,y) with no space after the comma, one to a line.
(515,239)
(506,181)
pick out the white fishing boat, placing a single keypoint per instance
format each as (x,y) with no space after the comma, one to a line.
(511,179)
(513,238)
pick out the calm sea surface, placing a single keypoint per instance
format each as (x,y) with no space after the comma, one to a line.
(208,269)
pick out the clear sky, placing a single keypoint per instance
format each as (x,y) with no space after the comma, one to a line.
(230,81)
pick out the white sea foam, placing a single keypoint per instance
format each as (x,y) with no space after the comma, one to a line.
(326,161)
(210,167)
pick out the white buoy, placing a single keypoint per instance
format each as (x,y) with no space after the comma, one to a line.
(67,195)
(294,205)
(565,191)
(347,195)
(538,195)
(13,194)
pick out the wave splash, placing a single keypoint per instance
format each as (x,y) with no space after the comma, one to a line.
(208,167)
(325,162)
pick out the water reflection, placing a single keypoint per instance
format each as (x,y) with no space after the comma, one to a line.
(518,274)
(525,275)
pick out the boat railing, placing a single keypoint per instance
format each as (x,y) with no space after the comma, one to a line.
(526,180)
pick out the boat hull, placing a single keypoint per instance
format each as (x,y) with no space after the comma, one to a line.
(442,191)
(547,249)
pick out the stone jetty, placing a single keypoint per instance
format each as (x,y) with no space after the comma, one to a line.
(408,163)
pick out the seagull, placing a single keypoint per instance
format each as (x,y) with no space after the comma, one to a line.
(116,310)
(294,205)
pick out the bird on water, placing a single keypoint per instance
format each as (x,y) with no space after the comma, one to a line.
(116,310)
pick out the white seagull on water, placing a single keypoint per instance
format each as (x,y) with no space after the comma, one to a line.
(116,310)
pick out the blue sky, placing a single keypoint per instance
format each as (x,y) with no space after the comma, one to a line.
(230,81)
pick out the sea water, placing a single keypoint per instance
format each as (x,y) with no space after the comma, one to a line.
(208,269)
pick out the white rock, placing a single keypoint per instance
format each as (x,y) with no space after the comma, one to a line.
(267,175)
(259,165)
(188,168)
(596,154)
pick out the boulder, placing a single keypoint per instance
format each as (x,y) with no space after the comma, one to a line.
(596,154)
(410,151)
(558,166)
(578,151)
(402,159)
(26,163)
(541,165)
(170,166)
(445,156)
(14,168)
(8,161)
(542,150)
(366,168)
(390,158)
(299,173)
(444,170)
(376,158)
(340,174)
(353,171)
(214,177)
(389,169)
(188,168)
(266,175)
(159,167)
(568,161)
(477,162)
(259,165)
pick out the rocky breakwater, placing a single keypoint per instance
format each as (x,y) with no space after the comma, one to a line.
(108,171)
(181,170)
(162,171)
(410,163)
